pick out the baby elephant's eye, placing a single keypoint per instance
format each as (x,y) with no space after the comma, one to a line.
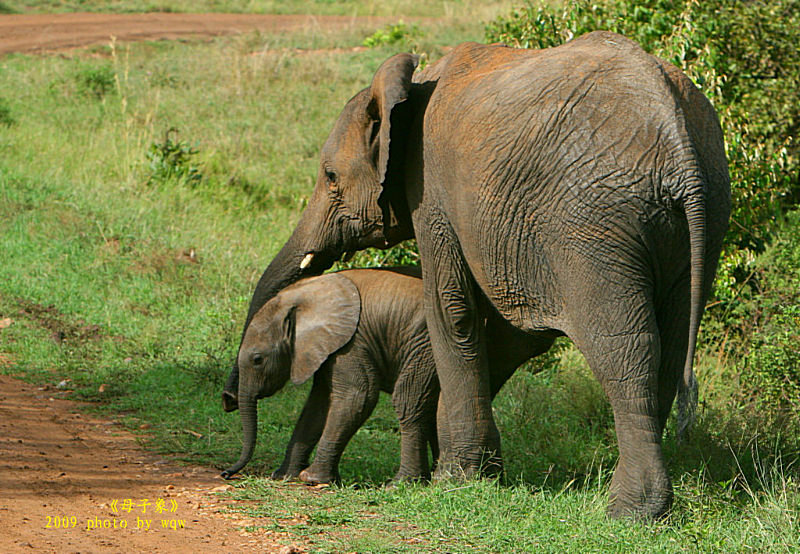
(331,175)
(257,360)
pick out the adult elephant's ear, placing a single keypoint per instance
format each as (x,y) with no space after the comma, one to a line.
(389,88)
(323,316)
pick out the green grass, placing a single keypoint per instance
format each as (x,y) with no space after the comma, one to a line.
(486,517)
(99,281)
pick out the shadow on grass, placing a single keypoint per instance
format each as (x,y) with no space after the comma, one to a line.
(740,453)
(558,434)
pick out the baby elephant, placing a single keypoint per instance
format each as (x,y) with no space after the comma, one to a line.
(357,332)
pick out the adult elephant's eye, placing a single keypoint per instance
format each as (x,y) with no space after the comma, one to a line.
(331,175)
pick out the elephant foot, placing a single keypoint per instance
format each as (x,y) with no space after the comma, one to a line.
(285,474)
(448,470)
(453,469)
(314,476)
(642,509)
(640,492)
(403,477)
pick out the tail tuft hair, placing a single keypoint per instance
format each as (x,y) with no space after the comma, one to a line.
(687,407)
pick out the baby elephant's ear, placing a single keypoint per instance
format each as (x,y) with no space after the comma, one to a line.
(327,312)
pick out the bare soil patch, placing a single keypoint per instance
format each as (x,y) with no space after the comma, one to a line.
(67,480)
(54,321)
(52,32)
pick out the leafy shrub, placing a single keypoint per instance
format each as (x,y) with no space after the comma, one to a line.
(405,253)
(772,368)
(771,362)
(393,34)
(744,57)
(96,81)
(172,160)
(6,119)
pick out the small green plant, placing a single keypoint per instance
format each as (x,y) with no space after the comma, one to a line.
(393,34)
(6,119)
(172,160)
(95,81)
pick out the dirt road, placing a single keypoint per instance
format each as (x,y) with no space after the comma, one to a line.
(73,483)
(52,32)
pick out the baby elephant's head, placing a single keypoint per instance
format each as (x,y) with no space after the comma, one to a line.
(265,356)
(293,334)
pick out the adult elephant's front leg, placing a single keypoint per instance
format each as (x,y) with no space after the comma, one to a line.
(457,339)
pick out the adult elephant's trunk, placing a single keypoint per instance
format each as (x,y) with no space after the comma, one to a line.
(304,254)
(687,394)
(249,413)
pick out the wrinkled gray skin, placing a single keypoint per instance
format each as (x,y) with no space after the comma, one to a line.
(581,189)
(357,332)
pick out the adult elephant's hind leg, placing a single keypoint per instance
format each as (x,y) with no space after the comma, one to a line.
(626,358)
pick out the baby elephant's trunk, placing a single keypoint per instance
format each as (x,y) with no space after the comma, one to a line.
(249,412)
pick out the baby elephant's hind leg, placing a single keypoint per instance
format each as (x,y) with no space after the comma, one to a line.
(415,398)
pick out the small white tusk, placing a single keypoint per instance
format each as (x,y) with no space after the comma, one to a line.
(307,260)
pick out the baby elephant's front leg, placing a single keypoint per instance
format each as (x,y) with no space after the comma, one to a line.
(307,431)
(350,406)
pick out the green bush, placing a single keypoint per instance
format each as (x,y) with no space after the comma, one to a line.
(744,57)
(405,253)
(771,363)
(772,369)
(393,34)
(96,80)
(172,160)
(6,119)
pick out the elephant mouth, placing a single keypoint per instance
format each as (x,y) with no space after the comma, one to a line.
(229,402)
(315,263)
(307,260)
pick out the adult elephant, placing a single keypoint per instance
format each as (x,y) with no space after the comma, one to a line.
(581,190)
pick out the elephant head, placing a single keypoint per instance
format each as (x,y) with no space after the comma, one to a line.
(290,337)
(352,206)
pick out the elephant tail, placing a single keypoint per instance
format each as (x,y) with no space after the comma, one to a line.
(687,392)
